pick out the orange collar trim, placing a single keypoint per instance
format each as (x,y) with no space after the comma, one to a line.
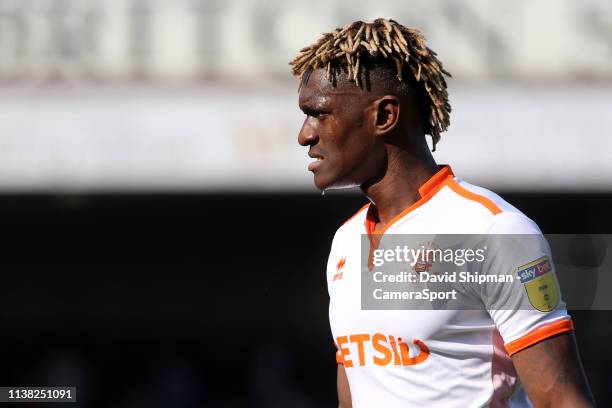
(426,191)
(435,180)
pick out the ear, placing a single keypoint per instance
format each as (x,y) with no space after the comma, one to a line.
(387,109)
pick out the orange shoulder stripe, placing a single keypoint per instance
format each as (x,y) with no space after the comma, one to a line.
(357,213)
(489,204)
(539,334)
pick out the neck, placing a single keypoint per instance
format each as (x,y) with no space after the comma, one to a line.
(398,187)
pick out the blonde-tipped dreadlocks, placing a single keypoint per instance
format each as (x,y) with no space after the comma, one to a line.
(385,40)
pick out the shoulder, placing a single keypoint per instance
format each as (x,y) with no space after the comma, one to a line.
(475,198)
(350,229)
(354,223)
(346,243)
(484,210)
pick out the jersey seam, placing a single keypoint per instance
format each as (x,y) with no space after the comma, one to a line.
(484,201)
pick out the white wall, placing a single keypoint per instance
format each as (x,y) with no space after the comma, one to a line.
(146,94)
(508,137)
(174,40)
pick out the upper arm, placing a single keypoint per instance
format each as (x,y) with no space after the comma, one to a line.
(552,374)
(531,315)
(344,392)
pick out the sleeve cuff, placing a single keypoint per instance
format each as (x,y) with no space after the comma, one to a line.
(539,334)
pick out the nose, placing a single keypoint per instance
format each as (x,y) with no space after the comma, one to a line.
(307,136)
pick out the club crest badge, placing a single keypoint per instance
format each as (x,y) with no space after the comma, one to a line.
(540,284)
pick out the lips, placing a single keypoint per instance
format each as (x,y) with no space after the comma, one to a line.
(313,165)
(318,159)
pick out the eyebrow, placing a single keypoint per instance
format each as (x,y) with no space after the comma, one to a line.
(308,111)
(314,104)
(308,108)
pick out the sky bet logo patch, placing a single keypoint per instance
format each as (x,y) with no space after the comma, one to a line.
(540,284)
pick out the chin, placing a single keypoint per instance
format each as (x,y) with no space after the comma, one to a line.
(324,183)
(321,184)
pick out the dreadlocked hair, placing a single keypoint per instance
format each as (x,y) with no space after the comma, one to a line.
(382,40)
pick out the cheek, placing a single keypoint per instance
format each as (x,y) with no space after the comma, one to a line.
(339,148)
(340,133)
(343,137)
(330,136)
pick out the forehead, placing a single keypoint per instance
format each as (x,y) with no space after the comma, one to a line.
(316,89)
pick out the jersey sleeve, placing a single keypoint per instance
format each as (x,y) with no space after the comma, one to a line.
(529,308)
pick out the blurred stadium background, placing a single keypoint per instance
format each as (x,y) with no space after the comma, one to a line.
(163,245)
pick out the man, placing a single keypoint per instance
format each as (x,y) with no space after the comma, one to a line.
(371,91)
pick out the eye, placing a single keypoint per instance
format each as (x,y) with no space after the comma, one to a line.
(316,114)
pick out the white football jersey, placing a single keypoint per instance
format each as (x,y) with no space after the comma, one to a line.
(439,358)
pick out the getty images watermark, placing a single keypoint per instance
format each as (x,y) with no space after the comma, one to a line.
(475,272)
